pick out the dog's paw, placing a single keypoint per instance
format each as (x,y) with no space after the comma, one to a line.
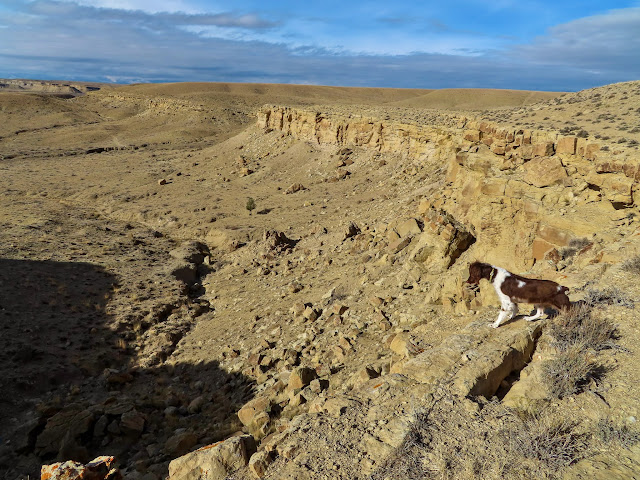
(493,325)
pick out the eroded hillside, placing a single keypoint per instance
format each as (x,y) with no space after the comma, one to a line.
(149,311)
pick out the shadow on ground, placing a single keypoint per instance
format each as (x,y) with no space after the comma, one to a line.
(69,388)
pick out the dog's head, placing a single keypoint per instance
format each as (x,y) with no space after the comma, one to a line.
(478,271)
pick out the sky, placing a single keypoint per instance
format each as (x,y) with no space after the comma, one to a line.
(531,45)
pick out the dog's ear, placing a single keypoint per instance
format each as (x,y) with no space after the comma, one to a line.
(474,272)
(486,270)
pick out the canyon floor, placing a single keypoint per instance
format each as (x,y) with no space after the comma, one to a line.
(188,264)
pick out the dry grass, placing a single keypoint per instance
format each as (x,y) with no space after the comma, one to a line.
(452,441)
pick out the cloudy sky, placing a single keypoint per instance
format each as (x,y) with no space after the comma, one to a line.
(535,45)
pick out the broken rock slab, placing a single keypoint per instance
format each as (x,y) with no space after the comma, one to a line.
(507,350)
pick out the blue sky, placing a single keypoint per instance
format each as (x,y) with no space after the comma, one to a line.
(535,45)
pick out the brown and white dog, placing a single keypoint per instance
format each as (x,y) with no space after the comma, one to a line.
(513,289)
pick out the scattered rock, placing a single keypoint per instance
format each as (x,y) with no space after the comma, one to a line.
(351,231)
(301,377)
(296,187)
(180,443)
(259,463)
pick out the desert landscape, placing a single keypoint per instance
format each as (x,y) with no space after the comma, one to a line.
(219,280)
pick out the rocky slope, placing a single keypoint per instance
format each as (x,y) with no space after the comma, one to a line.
(324,323)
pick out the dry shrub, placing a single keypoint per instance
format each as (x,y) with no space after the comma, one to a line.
(576,245)
(609,432)
(608,296)
(579,326)
(452,441)
(632,265)
(570,371)
(578,335)
(553,439)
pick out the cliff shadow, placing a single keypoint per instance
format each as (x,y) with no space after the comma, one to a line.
(69,387)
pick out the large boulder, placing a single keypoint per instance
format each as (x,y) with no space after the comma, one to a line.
(544,171)
(69,423)
(213,462)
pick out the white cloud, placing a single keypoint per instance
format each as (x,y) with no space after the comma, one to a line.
(596,43)
(49,39)
(149,6)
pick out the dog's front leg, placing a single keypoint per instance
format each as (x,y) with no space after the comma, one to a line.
(508,311)
(501,318)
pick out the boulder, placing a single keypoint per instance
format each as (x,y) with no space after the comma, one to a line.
(409,227)
(255,415)
(213,462)
(275,241)
(132,423)
(296,187)
(190,251)
(184,272)
(351,231)
(100,468)
(180,443)
(566,145)
(71,422)
(544,171)
(301,377)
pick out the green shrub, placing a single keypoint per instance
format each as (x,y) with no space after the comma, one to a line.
(251,204)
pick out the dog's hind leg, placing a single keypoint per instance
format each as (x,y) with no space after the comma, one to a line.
(539,313)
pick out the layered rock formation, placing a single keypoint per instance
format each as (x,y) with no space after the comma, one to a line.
(546,190)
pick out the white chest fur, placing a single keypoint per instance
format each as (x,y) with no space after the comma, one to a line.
(498,280)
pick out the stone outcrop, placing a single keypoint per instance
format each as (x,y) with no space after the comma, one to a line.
(413,140)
